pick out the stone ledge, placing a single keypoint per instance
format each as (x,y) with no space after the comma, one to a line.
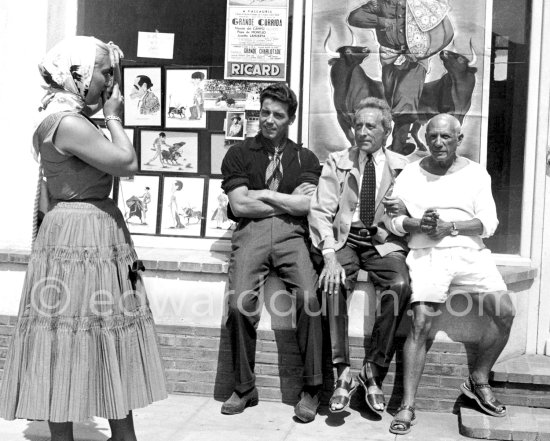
(217,262)
(521,423)
(525,369)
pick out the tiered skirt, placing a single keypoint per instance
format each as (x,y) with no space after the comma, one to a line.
(85,342)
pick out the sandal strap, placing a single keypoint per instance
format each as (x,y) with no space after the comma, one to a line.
(344,384)
(475,385)
(411,409)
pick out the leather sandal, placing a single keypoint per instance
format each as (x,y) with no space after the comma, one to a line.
(371,398)
(400,426)
(343,391)
(472,390)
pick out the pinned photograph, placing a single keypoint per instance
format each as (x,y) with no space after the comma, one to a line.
(182,213)
(185,98)
(137,199)
(231,95)
(142,92)
(235,125)
(169,151)
(217,222)
(252,123)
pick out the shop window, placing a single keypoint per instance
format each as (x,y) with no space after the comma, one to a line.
(189,176)
(507,118)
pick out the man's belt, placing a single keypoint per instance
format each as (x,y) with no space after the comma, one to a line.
(361,236)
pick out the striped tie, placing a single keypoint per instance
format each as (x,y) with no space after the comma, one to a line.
(368,193)
(274,171)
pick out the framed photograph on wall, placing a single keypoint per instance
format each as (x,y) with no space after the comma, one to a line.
(182,206)
(235,125)
(137,199)
(168,151)
(142,96)
(184,103)
(217,222)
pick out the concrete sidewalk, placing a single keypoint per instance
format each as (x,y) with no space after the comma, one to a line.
(192,418)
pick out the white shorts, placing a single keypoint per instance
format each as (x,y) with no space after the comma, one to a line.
(438,272)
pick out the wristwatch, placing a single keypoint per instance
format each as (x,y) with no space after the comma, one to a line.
(454,231)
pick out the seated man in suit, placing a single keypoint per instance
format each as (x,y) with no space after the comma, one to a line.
(345,225)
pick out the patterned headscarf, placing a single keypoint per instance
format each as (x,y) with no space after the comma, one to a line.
(67,70)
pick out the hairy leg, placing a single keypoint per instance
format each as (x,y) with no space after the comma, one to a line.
(500,312)
(414,352)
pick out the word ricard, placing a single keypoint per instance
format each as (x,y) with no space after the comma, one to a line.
(255,69)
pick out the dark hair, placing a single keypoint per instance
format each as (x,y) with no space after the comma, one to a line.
(376,103)
(282,93)
(237,117)
(147,188)
(197,75)
(144,79)
(179,184)
(162,134)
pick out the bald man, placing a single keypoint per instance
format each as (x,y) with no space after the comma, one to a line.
(449,210)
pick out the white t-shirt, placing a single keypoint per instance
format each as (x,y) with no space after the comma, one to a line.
(459,196)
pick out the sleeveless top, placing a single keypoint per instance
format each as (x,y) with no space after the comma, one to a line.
(68,178)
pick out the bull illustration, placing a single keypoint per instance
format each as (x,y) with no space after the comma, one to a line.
(452,93)
(349,82)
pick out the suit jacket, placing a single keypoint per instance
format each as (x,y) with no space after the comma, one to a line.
(336,197)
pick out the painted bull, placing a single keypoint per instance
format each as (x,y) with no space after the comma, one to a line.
(349,82)
(452,93)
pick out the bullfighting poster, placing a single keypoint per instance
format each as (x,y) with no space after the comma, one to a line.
(422,57)
(168,151)
(137,199)
(182,205)
(256,40)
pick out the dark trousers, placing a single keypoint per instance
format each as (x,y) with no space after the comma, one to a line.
(259,245)
(389,274)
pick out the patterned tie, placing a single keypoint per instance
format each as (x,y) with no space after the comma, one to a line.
(368,193)
(274,171)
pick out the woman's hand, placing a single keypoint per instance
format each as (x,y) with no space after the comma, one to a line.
(114,105)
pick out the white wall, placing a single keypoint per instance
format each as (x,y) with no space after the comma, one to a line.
(27,29)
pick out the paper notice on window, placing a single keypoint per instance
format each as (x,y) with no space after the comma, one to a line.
(256,40)
(155,45)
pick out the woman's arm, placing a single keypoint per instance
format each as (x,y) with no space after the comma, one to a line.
(78,137)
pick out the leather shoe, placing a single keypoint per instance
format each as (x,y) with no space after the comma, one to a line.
(237,403)
(307,407)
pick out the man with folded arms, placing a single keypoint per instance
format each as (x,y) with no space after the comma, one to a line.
(450,209)
(345,225)
(269,181)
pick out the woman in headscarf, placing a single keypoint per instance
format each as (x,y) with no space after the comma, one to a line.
(85,343)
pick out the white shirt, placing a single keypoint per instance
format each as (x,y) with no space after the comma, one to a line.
(460,196)
(379,159)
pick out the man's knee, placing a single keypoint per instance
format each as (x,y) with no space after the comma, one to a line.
(504,311)
(421,325)
(400,285)
(243,302)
